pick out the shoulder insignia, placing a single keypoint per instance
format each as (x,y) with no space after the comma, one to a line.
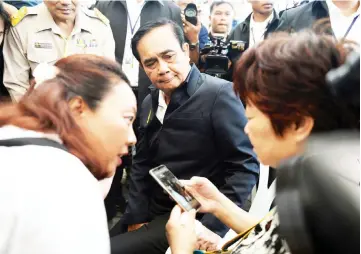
(101,16)
(19,15)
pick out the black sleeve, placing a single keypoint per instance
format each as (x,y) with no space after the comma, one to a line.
(139,179)
(242,166)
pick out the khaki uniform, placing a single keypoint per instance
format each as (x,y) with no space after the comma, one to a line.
(35,38)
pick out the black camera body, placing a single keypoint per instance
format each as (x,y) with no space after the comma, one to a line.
(191,13)
(218,53)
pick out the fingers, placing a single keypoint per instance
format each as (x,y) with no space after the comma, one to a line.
(185,182)
(175,214)
(188,218)
(196,180)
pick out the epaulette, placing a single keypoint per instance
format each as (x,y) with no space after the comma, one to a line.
(101,16)
(23,12)
(19,15)
(95,13)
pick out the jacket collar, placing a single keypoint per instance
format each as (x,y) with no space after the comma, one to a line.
(246,23)
(191,82)
(320,9)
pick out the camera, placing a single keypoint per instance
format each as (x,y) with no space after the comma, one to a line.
(191,13)
(218,53)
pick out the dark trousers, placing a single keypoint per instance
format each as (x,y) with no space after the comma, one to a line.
(149,239)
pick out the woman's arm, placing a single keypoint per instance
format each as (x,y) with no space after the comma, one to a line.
(214,202)
(233,216)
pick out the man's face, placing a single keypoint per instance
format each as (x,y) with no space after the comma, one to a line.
(164,61)
(264,7)
(221,18)
(62,10)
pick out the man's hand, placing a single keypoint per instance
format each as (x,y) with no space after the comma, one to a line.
(207,240)
(191,31)
(135,226)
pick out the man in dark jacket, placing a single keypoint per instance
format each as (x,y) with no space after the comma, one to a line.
(125,17)
(192,123)
(343,15)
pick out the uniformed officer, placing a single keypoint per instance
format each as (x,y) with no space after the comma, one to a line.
(49,32)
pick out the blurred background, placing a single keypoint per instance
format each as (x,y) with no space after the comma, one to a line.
(242,8)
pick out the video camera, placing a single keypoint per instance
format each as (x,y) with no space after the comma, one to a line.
(218,54)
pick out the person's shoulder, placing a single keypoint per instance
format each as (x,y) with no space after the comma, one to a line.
(215,84)
(296,10)
(96,15)
(169,4)
(23,15)
(236,32)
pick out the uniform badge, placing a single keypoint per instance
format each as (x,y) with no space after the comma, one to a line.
(93,43)
(81,43)
(43,45)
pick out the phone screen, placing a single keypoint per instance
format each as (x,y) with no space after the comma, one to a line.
(174,187)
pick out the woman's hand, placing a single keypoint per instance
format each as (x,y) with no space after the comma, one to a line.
(181,232)
(205,192)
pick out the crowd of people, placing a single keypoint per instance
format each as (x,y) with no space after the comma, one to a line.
(92,94)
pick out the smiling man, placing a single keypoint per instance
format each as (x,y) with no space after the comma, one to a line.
(192,123)
(50,31)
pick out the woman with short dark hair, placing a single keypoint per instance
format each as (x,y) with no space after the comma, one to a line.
(282,82)
(56,143)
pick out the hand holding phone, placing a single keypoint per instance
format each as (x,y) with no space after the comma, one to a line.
(174,188)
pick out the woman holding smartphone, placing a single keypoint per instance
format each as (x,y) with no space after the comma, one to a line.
(282,82)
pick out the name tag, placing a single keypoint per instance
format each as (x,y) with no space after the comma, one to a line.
(43,45)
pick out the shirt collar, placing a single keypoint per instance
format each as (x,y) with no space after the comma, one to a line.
(46,21)
(264,23)
(12,132)
(161,100)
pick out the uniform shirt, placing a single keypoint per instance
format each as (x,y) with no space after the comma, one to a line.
(50,202)
(258,30)
(340,23)
(130,64)
(37,39)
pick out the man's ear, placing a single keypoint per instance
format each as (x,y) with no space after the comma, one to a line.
(77,106)
(304,129)
(185,48)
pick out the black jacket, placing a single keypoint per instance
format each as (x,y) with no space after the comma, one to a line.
(303,16)
(202,135)
(241,31)
(116,12)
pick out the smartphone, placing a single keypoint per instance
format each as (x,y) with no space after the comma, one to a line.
(174,188)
